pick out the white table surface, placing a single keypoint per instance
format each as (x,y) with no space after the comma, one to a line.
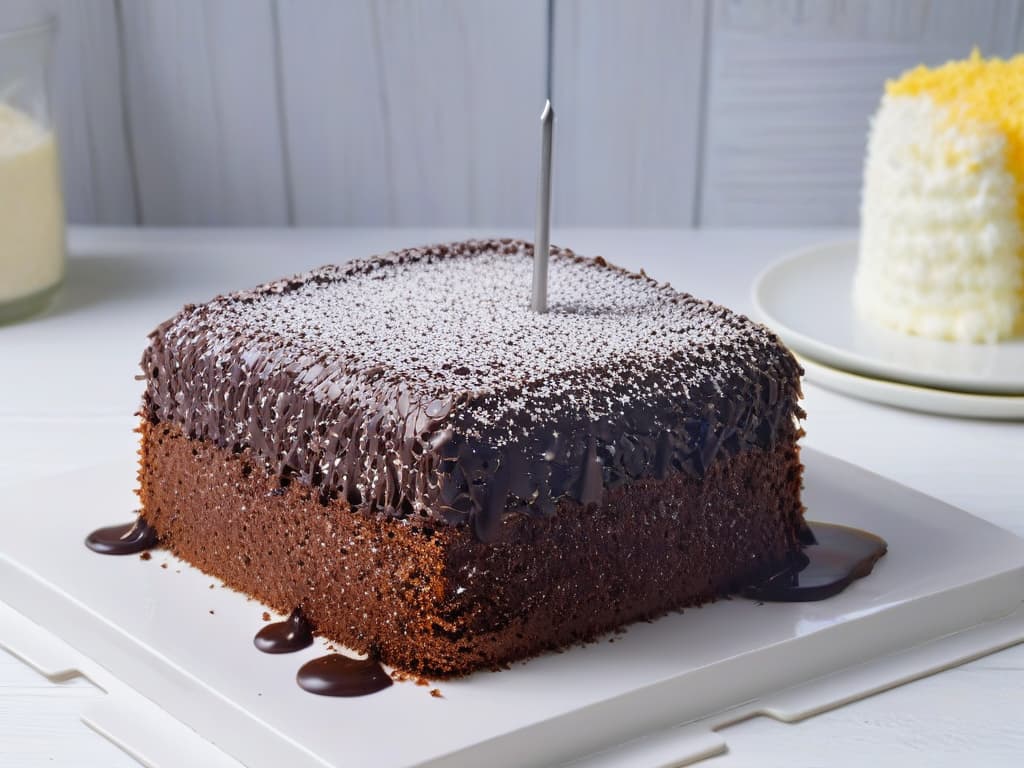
(67,399)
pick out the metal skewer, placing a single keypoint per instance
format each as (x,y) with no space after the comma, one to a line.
(542,233)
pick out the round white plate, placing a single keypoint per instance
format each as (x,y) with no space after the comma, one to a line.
(914,398)
(806,298)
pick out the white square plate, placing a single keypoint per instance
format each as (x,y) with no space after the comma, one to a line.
(949,589)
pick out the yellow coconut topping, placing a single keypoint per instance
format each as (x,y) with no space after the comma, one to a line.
(941,251)
(978,93)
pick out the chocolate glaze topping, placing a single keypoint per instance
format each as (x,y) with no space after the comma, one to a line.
(418,384)
(127,539)
(337,675)
(292,634)
(832,558)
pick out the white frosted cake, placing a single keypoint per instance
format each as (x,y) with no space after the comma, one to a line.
(942,213)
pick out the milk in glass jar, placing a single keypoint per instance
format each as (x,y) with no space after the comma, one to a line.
(32,237)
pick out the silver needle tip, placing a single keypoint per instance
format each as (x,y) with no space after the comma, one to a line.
(542,233)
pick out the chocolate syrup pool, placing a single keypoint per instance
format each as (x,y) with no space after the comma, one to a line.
(127,539)
(833,557)
(292,634)
(337,675)
(330,675)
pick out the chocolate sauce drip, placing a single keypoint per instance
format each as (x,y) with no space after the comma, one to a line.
(127,539)
(832,557)
(292,634)
(337,675)
(805,535)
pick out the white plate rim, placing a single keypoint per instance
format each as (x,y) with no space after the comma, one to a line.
(848,360)
(912,397)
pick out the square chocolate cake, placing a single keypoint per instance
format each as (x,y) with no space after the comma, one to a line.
(442,478)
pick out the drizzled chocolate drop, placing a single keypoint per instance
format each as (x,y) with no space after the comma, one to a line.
(292,634)
(337,675)
(127,539)
(833,557)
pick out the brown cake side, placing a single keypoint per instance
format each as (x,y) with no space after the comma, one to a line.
(435,599)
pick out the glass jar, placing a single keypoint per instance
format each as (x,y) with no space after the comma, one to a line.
(32,229)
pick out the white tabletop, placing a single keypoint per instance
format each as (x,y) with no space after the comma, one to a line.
(68,395)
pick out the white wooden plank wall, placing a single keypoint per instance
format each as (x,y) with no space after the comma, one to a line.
(412,113)
(201,100)
(424,112)
(627,96)
(791,86)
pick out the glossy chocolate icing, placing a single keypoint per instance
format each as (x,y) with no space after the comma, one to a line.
(417,384)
